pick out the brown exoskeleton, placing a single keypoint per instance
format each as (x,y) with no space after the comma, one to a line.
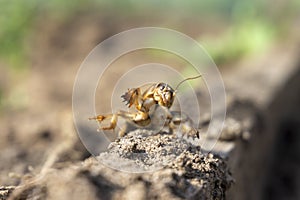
(160,94)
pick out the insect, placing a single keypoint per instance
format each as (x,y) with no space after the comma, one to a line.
(160,94)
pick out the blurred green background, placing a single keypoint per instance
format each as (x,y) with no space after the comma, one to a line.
(229,30)
(245,26)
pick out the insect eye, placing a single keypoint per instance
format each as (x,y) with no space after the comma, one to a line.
(162,87)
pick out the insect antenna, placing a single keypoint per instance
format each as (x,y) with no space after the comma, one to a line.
(190,78)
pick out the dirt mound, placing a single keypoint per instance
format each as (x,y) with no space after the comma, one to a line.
(180,170)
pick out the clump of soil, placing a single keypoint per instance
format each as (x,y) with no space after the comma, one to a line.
(143,150)
(179,170)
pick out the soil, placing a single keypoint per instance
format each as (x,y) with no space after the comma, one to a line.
(172,169)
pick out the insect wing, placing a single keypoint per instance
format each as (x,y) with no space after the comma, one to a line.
(130,96)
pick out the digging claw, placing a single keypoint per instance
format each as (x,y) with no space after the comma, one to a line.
(99,118)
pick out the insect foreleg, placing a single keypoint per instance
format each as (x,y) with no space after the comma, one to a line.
(138,117)
(113,120)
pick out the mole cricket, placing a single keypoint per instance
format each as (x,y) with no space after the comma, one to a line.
(160,94)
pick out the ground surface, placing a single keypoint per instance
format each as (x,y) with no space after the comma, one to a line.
(174,168)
